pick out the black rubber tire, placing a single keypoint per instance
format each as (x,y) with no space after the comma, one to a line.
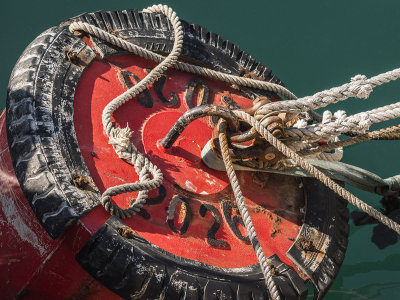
(40,131)
(46,157)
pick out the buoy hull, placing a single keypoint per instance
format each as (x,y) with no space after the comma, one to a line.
(190,230)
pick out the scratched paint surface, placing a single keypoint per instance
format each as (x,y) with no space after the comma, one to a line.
(24,244)
(29,258)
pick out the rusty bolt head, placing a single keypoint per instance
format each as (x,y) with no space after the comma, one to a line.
(126,232)
(269,156)
(274,125)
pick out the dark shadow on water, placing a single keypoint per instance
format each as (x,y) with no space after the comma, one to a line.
(382,236)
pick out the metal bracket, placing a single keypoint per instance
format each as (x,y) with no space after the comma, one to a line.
(349,174)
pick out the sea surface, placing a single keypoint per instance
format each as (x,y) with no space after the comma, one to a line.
(311,46)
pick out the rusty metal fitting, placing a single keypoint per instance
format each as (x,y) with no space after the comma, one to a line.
(250,133)
(262,151)
(274,125)
(71,56)
(81,58)
(258,102)
(196,113)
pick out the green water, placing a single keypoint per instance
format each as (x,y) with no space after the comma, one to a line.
(310,45)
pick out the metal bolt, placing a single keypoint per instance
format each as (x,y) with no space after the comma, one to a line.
(269,156)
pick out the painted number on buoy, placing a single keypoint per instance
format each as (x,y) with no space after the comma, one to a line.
(125,78)
(182,214)
(211,239)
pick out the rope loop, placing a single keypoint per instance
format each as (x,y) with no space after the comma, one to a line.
(118,137)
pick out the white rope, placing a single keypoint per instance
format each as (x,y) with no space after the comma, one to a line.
(358,87)
(120,137)
(264,262)
(358,123)
(298,160)
(186,67)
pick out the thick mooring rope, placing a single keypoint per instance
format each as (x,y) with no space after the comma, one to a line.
(357,123)
(359,87)
(120,138)
(313,171)
(265,267)
(382,134)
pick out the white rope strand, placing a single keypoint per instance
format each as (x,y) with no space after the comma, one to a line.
(357,123)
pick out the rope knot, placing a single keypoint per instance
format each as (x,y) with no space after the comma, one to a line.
(360,86)
(120,138)
(326,117)
(365,122)
(301,123)
(340,116)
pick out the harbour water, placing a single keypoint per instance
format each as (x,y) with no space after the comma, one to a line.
(310,45)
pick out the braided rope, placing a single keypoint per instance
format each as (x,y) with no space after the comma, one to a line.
(357,123)
(265,267)
(120,137)
(358,87)
(382,134)
(298,160)
(300,146)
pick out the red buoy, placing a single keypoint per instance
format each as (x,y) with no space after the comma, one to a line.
(188,241)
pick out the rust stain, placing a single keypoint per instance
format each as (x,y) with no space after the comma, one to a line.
(126,232)
(82,182)
(274,270)
(113,176)
(182,213)
(310,249)
(71,56)
(276,220)
(260,179)
(259,208)
(307,245)
(80,59)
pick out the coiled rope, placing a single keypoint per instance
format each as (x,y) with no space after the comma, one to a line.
(359,87)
